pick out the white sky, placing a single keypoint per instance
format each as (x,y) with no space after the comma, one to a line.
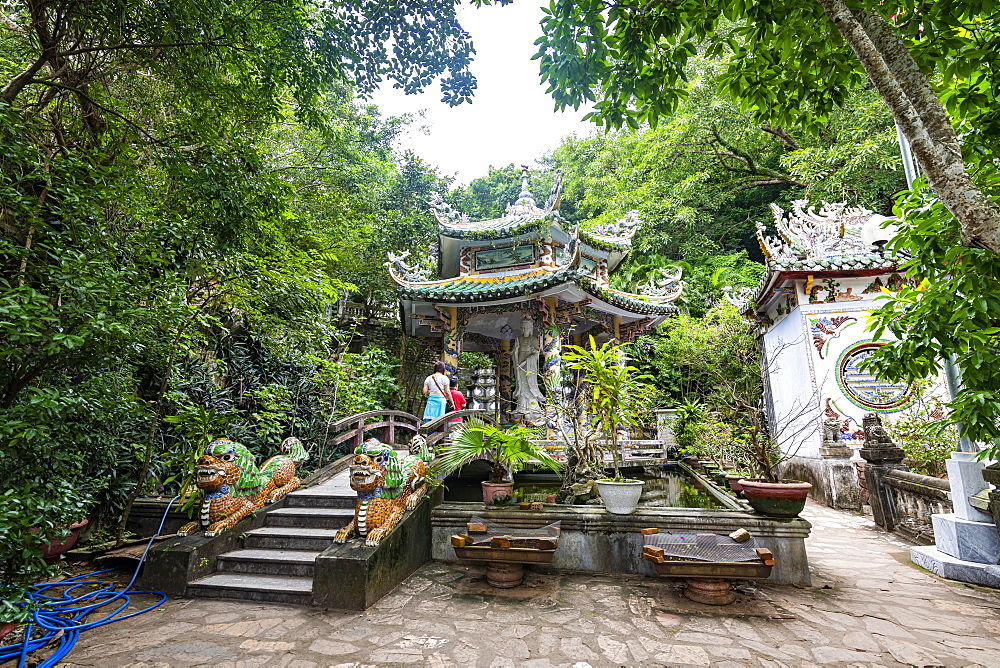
(510,120)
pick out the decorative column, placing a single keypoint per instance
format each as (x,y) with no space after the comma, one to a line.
(551,348)
(452,340)
(881,456)
(551,364)
(506,370)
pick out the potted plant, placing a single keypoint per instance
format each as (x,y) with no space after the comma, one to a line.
(507,450)
(614,392)
(765,491)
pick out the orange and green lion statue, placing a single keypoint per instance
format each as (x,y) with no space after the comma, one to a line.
(233,486)
(386,486)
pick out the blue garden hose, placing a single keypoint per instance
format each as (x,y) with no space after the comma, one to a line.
(66,612)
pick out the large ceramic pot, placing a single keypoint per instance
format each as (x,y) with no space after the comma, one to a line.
(776,499)
(498,493)
(734,482)
(56,548)
(620,498)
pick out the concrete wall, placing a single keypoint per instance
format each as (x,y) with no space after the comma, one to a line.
(594,540)
(835,481)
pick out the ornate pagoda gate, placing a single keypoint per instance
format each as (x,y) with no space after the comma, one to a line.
(520,287)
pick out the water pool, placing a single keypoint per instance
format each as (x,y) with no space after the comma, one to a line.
(668,489)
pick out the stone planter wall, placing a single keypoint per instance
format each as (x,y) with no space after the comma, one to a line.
(593,539)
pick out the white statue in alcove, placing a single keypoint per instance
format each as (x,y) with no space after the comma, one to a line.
(529,397)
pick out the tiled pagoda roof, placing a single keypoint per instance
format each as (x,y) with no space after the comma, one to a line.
(524,216)
(489,287)
(834,239)
(485,287)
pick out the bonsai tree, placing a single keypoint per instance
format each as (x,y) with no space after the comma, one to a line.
(721,355)
(613,390)
(508,450)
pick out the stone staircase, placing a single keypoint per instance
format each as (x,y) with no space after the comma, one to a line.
(275,563)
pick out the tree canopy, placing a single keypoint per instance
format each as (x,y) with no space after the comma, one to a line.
(793,64)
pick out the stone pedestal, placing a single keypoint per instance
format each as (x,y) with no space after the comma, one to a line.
(880,460)
(966,479)
(965,539)
(947,566)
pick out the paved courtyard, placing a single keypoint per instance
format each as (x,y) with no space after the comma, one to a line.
(868,606)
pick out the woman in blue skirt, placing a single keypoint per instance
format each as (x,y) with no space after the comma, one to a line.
(437,389)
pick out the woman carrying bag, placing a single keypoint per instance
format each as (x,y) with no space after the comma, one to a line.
(437,389)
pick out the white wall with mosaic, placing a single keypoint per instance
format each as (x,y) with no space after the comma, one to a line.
(822,282)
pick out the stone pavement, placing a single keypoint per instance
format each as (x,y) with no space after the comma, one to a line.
(868,606)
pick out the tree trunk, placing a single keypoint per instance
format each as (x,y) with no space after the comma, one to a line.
(922,118)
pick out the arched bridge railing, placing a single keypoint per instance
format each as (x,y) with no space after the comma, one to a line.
(353,430)
(437,430)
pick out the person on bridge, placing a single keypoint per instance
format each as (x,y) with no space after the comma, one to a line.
(457,398)
(437,390)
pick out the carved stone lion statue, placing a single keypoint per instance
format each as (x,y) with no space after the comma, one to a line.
(875,434)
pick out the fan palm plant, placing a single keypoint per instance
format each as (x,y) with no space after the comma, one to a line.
(508,450)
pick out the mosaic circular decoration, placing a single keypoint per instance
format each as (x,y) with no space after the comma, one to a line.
(863,389)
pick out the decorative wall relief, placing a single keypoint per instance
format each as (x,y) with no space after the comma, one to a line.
(496,259)
(825,329)
(863,389)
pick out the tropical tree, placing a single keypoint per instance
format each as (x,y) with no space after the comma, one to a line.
(613,390)
(793,64)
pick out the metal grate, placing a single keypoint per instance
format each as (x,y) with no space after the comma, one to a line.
(519,537)
(703,547)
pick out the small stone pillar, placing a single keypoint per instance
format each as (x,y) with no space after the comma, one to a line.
(882,456)
(452,340)
(968,533)
(965,475)
(842,488)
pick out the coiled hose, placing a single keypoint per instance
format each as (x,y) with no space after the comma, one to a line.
(65,614)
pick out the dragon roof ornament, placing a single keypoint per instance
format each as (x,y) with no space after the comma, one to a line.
(806,233)
(407,272)
(620,231)
(665,287)
(739,297)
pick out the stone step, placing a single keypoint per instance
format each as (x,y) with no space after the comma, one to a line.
(297,563)
(322,497)
(289,538)
(314,518)
(268,588)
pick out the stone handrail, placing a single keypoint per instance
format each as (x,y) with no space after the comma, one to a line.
(916,498)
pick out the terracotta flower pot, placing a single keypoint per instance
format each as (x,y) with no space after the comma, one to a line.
(734,482)
(777,499)
(693,462)
(56,548)
(498,493)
